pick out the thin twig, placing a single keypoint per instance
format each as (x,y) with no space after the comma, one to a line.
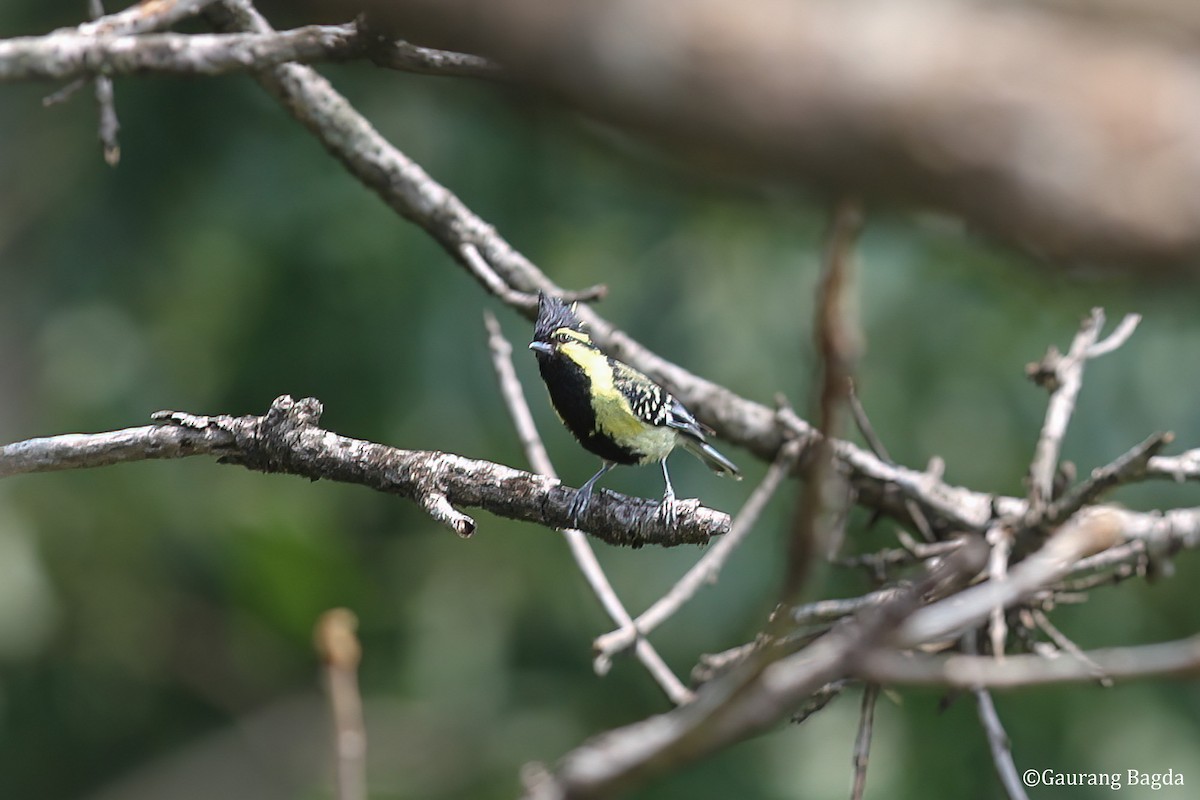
(340,653)
(824,611)
(141,18)
(1180,468)
(862,742)
(581,551)
(109,124)
(1129,467)
(1000,537)
(408,57)
(818,700)
(998,743)
(707,568)
(1064,643)
(64,94)
(477,265)
(863,423)
(881,562)
(1118,337)
(1134,550)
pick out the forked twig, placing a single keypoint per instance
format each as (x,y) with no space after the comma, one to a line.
(1063,376)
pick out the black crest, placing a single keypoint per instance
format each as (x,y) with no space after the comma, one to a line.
(553,314)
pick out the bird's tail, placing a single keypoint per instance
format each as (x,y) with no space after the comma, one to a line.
(711,458)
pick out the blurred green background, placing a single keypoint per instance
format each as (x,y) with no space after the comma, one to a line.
(155,618)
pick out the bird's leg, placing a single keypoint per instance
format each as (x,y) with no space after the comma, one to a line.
(666,509)
(579,503)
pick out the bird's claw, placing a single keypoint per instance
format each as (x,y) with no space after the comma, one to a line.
(579,505)
(667,512)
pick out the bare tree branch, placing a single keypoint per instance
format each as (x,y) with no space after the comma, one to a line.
(288,440)
(67,55)
(1181,658)
(109,124)
(142,17)
(1074,141)
(74,52)
(404,56)
(862,742)
(1180,468)
(1001,538)
(999,744)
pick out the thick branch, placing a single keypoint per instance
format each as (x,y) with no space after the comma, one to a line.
(1069,139)
(287,440)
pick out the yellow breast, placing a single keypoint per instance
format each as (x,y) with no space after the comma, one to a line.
(614,415)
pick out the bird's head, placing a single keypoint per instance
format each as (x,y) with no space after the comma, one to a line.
(556,325)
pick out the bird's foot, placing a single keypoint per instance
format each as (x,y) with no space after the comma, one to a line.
(667,511)
(578,507)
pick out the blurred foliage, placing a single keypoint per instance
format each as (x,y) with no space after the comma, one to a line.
(155,618)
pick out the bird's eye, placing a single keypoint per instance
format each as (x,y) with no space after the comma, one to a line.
(561,338)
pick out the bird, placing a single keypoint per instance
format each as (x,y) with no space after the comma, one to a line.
(613,410)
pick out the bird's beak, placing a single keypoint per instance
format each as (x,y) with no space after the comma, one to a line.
(541,347)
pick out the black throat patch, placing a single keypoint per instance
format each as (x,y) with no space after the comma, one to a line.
(571,396)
